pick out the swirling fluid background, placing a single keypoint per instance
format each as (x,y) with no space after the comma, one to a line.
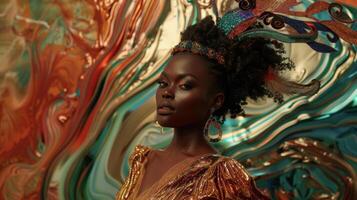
(77,85)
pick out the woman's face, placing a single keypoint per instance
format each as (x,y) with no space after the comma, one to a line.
(186,92)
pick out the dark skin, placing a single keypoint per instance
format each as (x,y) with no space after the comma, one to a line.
(189,87)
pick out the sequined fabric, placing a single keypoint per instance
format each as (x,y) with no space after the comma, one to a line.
(207,177)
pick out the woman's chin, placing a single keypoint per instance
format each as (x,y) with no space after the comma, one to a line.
(165,122)
(169,121)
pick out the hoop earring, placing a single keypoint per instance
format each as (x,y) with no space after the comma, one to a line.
(217,124)
(161,128)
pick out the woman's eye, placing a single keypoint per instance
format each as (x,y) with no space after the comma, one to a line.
(161,83)
(186,86)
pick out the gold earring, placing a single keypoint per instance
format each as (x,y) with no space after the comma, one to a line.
(217,124)
(161,128)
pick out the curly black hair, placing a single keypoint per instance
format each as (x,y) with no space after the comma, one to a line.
(246,64)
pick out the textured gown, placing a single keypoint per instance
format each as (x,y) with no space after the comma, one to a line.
(205,177)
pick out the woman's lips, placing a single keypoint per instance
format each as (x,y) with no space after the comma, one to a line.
(165,110)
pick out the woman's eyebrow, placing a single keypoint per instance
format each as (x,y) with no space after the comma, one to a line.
(180,76)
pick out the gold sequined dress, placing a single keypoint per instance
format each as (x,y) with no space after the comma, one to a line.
(210,176)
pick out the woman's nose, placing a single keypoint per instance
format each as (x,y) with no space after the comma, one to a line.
(168,94)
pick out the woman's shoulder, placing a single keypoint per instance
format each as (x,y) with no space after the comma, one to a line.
(237,182)
(229,168)
(233,166)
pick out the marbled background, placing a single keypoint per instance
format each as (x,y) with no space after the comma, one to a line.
(77,85)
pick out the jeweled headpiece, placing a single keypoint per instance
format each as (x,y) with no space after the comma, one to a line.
(283,27)
(278,22)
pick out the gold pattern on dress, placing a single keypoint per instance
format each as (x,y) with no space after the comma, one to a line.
(137,162)
(210,176)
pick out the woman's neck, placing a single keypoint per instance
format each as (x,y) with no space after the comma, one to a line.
(189,141)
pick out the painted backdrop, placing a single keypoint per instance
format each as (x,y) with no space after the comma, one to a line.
(77,85)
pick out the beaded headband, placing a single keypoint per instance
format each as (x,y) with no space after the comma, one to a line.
(198,49)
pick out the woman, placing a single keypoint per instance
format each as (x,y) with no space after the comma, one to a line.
(196,90)
(209,75)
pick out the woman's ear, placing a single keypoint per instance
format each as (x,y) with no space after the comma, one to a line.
(218,100)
